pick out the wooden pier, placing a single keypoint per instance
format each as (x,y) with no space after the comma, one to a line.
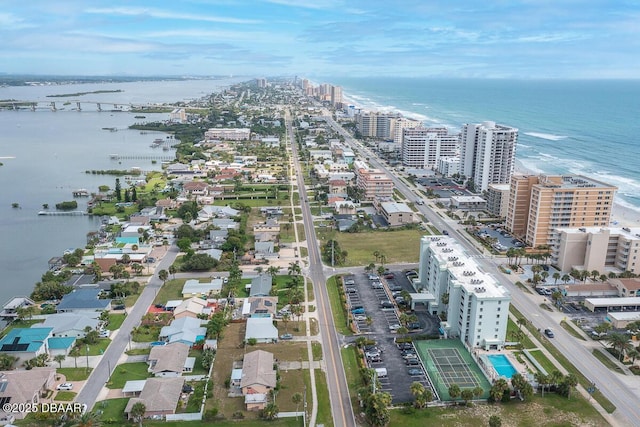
(62,213)
(141,157)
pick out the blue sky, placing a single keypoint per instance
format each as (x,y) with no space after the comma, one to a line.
(437,38)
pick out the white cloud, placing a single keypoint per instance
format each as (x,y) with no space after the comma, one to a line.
(161,14)
(9,21)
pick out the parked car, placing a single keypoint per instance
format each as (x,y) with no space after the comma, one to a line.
(414,372)
(412,326)
(349,282)
(376,285)
(375,359)
(386,304)
(351,290)
(374,353)
(65,386)
(104,334)
(360,317)
(395,288)
(394,327)
(286,337)
(405,346)
(358,310)
(118,307)
(412,362)
(389,276)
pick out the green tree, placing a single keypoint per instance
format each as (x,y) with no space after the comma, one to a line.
(137,412)
(118,190)
(619,342)
(172,271)
(163,275)
(75,353)
(454,391)
(59,358)
(270,412)
(498,389)
(418,392)
(376,408)
(7,361)
(495,421)
(466,394)
(294,269)
(296,398)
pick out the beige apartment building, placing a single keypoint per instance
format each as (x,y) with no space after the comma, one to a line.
(374,184)
(597,248)
(540,204)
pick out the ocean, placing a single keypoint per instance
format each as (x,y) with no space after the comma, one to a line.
(45,154)
(588,127)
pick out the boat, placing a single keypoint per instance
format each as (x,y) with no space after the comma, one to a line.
(158,141)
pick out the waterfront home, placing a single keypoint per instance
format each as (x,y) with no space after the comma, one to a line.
(11,308)
(261,329)
(84,301)
(26,343)
(170,360)
(19,387)
(160,397)
(258,378)
(69,324)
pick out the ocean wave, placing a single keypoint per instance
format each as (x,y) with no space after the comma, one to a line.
(547,136)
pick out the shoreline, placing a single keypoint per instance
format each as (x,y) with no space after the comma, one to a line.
(622,215)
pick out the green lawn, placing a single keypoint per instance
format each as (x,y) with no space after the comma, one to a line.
(75,374)
(543,361)
(171,290)
(128,372)
(115,321)
(316,349)
(599,354)
(396,245)
(96,349)
(112,411)
(146,333)
(65,396)
(567,327)
(352,372)
(552,410)
(337,308)
(324,404)
(197,368)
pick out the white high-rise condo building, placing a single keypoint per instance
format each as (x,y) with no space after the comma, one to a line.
(423,147)
(487,153)
(475,304)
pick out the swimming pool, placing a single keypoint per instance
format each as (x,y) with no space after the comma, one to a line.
(502,365)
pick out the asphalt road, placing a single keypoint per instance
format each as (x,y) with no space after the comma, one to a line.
(341,408)
(618,392)
(100,375)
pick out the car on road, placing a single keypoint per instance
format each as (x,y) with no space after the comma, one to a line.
(548,332)
(65,386)
(286,337)
(414,372)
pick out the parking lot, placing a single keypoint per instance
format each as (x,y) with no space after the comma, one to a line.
(376,315)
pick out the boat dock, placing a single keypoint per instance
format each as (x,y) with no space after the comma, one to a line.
(81,192)
(62,213)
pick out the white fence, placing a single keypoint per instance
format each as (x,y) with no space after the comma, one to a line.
(192,416)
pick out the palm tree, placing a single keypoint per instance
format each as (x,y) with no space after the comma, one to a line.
(75,353)
(7,361)
(543,381)
(137,268)
(556,276)
(376,254)
(59,358)
(618,341)
(418,391)
(555,377)
(273,271)
(466,394)
(87,419)
(595,274)
(172,271)
(296,398)
(454,391)
(126,259)
(285,318)
(566,278)
(270,412)
(163,275)
(294,269)
(603,277)
(137,412)
(571,382)
(522,321)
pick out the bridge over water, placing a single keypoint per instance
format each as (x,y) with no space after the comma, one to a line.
(75,105)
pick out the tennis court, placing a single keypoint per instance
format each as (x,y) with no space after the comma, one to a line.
(447,362)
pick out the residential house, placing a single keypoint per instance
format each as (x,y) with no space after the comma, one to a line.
(84,301)
(69,324)
(218,237)
(193,288)
(192,307)
(209,211)
(259,307)
(166,203)
(225,224)
(186,330)
(11,308)
(213,253)
(337,186)
(261,285)
(169,360)
(160,397)
(258,378)
(261,329)
(60,345)
(270,229)
(196,188)
(18,387)
(26,343)
(265,250)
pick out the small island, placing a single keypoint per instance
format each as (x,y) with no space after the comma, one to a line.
(65,95)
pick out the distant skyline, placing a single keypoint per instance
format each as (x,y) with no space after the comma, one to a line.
(319,38)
